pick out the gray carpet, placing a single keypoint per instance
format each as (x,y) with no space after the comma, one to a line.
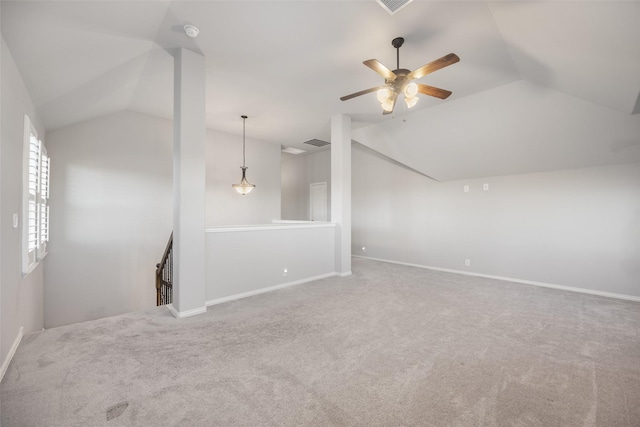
(388,346)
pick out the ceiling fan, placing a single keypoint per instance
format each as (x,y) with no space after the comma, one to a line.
(398,81)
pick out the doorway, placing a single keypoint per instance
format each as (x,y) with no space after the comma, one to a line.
(318,201)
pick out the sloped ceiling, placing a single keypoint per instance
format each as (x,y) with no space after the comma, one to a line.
(516,128)
(540,85)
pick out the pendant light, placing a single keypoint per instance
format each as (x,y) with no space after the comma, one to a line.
(244,187)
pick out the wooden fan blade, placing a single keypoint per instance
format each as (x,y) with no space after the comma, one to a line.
(377,66)
(362,92)
(433,91)
(432,66)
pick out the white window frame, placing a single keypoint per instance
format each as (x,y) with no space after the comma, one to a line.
(43,203)
(35,199)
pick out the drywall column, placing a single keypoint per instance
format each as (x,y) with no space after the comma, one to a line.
(189,292)
(341,190)
(2,352)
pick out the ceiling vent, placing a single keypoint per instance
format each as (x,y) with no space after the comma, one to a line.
(316,143)
(392,6)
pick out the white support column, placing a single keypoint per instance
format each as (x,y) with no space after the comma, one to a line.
(189,130)
(341,190)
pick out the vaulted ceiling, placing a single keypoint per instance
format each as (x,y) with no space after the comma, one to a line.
(540,85)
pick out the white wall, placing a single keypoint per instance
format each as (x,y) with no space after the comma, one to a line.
(3,356)
(21,298)
(298,172)
(294,195)
(251,259)
(111,208)
(111,216)
(577,228)
(189,172)
(224,206)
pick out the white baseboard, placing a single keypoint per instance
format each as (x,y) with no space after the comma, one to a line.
(268,289)
(510,279)
(345,274)
(12,352)
(188,313)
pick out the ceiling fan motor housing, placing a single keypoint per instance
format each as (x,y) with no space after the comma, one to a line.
(400,82)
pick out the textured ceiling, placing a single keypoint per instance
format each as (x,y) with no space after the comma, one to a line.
(531,75)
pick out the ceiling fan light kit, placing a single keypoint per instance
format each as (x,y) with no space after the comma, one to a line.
(383,94)
(388,104)
(399,81)
(411,101)
(411,90)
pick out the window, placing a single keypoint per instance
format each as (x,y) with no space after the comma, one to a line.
(35,226)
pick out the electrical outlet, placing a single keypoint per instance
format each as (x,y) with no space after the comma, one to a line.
(285,271)
(364,249)
(485,187)
(467,263)
(466,188)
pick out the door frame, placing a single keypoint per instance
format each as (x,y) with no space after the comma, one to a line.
(326,204)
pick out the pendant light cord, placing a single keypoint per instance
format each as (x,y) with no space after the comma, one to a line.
(244,122)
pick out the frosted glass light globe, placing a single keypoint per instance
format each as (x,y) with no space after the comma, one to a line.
(411,101)
(383,94)
(411,90)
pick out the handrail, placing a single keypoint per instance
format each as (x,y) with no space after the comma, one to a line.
(167,250)
(164,275)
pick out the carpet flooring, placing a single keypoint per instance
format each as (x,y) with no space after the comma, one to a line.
(389,346)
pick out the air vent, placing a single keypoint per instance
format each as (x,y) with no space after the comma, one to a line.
(392,6)
(316,142)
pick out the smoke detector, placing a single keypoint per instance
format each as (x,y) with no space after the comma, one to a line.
(191,30)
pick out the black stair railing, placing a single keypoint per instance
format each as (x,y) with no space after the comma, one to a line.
(164,276)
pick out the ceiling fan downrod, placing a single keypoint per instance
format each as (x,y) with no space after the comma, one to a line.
(397,43)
